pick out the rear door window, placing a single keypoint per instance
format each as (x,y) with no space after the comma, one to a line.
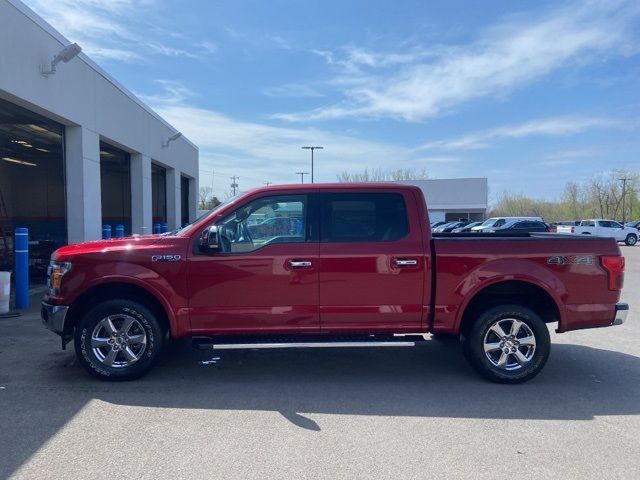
(363,217)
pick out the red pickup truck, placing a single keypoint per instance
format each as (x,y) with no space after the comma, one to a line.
(349,265)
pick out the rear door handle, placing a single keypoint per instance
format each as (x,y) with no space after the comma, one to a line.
(300,263)
(405,262)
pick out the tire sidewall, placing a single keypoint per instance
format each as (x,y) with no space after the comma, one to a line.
(85,327)
(631,240)
(475,344)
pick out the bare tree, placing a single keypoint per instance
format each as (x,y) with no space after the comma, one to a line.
(380,175)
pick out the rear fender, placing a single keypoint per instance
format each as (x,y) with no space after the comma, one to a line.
(496,271)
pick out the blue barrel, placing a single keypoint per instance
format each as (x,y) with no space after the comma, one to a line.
(156,228)
(21,245)
(106,232)
(119,231)
(164,228)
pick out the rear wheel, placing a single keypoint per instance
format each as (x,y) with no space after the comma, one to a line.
(118,340)
(631,239)
(508,344)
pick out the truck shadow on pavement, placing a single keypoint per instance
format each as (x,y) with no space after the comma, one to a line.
(42,394)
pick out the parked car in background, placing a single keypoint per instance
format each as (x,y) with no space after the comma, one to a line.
(603,228)
(521,226)
(436,224)
(450,227)
(495,222)
(466,229)
(635,224)
(554,225)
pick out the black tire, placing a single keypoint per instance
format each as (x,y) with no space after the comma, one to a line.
(513,371)
(631,240)
(143,340)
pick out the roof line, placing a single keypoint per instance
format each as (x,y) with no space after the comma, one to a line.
(64,41)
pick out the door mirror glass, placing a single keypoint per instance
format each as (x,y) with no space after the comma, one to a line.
(209,240)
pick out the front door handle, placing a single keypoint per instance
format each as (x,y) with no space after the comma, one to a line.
(300,263)
(405,262)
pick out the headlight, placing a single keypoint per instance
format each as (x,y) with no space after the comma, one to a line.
(55,273)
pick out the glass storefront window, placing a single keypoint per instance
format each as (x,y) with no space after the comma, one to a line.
(115,186)
(158,193)
(32,185)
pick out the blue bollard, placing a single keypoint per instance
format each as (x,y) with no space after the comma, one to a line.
(21,245)
(156,228)
(119,231)
(106,232)
(164,228)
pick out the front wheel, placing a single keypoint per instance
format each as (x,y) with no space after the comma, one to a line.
(508,344)
(631,240)
(118,340)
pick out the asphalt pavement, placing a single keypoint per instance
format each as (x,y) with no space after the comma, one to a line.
(358,413)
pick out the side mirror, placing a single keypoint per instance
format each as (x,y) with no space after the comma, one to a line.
(209,239)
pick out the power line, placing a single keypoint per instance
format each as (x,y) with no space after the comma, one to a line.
(624,194)
(234,184)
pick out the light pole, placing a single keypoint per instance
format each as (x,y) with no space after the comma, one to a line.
(624,194)
(312,149)
(302,174)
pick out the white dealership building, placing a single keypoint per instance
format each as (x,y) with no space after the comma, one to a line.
(77,149)
(451,199)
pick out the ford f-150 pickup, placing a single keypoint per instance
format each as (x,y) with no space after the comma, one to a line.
(347,265)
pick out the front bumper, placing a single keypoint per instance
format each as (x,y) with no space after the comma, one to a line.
(622,309)
(53,317)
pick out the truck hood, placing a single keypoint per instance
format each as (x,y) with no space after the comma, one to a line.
(94,246)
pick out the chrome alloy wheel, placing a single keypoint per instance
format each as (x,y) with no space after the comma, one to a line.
(509,344)
(118,341)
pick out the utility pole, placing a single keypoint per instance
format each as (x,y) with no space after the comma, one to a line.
(234,183)
(624,194)
(267,183)
(302,174)
(312,149)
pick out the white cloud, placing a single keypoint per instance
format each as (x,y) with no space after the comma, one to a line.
(558,126)
(259,152)
(424,83)
(116,29)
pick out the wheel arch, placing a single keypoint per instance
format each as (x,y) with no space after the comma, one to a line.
(119,289)
(521,292)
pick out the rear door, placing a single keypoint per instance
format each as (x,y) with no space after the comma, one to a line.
(373,270)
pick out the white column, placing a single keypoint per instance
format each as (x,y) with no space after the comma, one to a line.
(173,199)
(193,199)
(84,202)
(141,194)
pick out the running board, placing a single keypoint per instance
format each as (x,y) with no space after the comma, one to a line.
(305,341)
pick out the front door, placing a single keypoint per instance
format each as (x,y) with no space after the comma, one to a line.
(373,270)
(264,278)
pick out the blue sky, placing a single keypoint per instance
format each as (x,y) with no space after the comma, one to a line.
(530,94)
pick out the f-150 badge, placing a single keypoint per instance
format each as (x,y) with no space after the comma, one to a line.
(166,258)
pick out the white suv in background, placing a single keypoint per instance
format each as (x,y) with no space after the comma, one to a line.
(603,228)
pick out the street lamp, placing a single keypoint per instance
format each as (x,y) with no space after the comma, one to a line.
(302,174)
(312,149)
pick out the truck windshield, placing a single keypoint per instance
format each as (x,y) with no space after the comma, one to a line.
(220,205)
